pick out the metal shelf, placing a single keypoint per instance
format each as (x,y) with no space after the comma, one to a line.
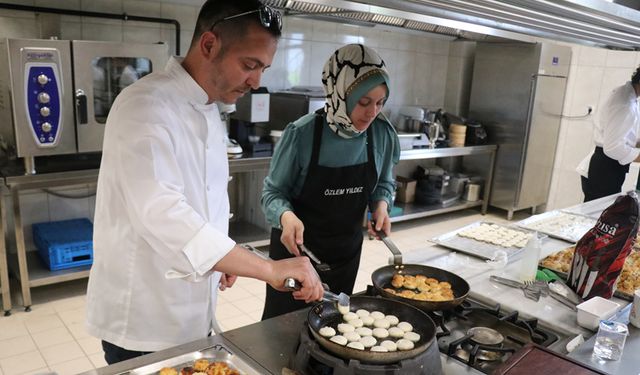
(414,211)
(40,275)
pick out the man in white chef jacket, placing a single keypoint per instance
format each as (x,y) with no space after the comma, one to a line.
(161,247)
(616,135)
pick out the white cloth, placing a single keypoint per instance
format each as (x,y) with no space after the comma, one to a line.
(617,130)
(161,208)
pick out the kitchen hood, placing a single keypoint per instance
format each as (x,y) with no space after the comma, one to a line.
(612,24)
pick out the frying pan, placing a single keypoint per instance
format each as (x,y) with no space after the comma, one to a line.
(381,279)
(327,314)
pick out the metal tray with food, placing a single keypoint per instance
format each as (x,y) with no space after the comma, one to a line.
(483,239)
(629,281)
(566,226)
(218,358)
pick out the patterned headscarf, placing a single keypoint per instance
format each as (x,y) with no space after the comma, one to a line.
(351,66)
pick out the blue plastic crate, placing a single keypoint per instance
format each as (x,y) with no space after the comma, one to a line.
(64,244)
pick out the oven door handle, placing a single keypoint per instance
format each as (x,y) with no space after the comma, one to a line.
(81,107)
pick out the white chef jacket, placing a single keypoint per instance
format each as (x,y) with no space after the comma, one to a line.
(617,128)
(161,205)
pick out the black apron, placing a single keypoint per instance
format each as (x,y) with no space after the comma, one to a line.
(606,176)
(331,207)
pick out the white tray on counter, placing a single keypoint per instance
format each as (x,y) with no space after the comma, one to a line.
(477,248)
(566,226)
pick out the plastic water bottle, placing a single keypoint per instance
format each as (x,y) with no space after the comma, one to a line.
(530,259)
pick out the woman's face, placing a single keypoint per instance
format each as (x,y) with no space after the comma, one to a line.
(368,107)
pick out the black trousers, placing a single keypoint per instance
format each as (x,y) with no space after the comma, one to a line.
(606,176)
(114,354)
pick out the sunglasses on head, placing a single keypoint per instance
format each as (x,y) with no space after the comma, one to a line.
(268,17)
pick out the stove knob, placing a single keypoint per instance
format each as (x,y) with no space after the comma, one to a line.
(43,79)
(45,111)
(46,127)
(44,98)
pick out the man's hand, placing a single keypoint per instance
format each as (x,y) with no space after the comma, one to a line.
(381,219)
(299,268)
(227,281)
(292,231)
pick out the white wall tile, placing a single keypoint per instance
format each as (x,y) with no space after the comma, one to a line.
(586,85)
(62,4)
(104,6)
(70,30)
(296,28)
(621,59)
(99,31)
(348,34)
(13,27)
(323,31)
(591,56)
(185,14)
(142,8)
(320,52)
(370,37)
(141,34)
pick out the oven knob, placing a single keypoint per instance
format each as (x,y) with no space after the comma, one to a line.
(45,111)
(44,98)
(43,79)
(46,127)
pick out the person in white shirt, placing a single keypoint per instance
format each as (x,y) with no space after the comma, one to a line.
(616,134)
(161,245)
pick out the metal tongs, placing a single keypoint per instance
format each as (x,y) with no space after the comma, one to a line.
(322,267)
(342,299)
(529,292)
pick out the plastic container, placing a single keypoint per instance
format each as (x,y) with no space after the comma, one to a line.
(592,311)
(64,244)
(530,259)
(634,315)
(610,340)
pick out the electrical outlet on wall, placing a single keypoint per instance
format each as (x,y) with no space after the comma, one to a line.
(590,109)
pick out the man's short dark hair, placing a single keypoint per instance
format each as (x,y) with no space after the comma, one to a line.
(635,78)
(213,11)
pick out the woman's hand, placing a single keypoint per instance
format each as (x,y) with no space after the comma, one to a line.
(292,231)
(381,220)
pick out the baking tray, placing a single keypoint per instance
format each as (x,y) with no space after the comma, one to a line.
(474,247)
(549,223)
(565,276)
(216,353)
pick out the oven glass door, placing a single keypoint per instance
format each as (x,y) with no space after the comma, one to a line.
(101,71)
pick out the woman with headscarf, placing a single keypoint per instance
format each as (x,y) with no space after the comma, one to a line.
(327,168)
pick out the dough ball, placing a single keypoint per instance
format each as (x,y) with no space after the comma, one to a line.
(380,349)
(404,344)
(345,327)
(349,316)
(201,365)
(393,320)
(362,313)
(357,323)
(327,332)
(377,315)
(367,320)
(343,309)
(356,345)
(407,327)
(352,336)
(390,345)
(381,323)
(411,336)
(364,331)
(368,341)
(380,333)
(340,340)
(396,332)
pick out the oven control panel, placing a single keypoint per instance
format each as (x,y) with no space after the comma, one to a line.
(43,101)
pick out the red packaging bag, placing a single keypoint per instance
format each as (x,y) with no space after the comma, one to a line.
(600,253)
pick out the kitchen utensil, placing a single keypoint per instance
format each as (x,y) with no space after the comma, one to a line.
(381,279)
(326,314)
(541,286)
(560,298)
(342,298)
(397,255)
(528,292)
(322,267)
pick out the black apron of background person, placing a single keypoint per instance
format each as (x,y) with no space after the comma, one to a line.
(332,218)
(606,176)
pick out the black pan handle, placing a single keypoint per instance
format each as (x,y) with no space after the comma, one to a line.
(397,255)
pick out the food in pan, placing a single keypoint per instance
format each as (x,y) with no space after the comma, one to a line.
(349,316)
(202,366)
(327,331)
(628,281)
(356,323)
(496,235)
(404,344)
(368,320)
(420,288)
(364,338)
(340,340)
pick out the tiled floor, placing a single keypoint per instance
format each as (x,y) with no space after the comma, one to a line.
(52,338)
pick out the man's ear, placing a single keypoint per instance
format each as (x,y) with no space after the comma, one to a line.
(210,45)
